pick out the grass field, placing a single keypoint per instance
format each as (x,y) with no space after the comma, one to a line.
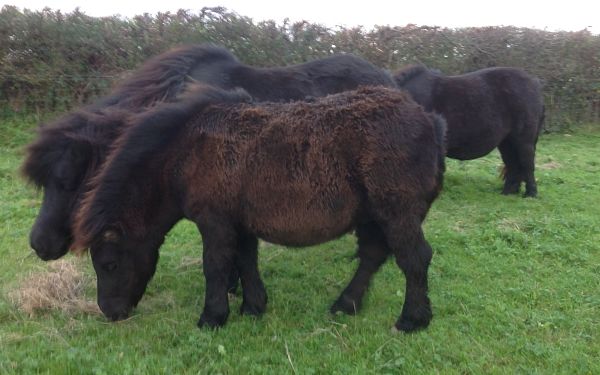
(514,283)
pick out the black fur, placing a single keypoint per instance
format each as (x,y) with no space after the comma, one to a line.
(489,108)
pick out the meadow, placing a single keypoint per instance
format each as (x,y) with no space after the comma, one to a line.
(514,284)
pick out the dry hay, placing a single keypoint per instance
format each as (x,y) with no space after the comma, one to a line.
(60,287)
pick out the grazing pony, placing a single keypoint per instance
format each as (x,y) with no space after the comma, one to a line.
(68,151)
(485,109)
(294,174)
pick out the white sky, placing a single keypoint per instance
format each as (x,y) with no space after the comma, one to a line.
(569,15)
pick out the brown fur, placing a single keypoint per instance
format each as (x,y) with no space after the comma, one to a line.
(294,174)
(320,148)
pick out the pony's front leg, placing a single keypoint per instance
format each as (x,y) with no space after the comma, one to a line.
(218,258)
(253,289)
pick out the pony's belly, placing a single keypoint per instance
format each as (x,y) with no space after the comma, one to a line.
(304,224)
(305,235)
(298,239)
(467,152)
(464,145)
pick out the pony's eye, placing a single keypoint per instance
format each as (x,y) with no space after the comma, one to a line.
(110,236)
(68,186)
(110,266)
(64,185)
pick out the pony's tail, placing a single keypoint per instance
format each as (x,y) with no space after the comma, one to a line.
(540,127)
(440,128)
(541,122)
(502,173)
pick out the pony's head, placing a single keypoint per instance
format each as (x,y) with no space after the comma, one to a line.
(59,162)
(418,81)
(123,266)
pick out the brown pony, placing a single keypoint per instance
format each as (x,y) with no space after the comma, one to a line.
(295,174)
(68,151)
(485,109)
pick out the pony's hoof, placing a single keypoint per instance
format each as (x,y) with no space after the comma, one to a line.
(412,324)
(345,305)
(232,288)
(254,310)
(211,322)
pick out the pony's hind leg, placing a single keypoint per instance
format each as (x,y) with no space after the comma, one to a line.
(372,253)
(512,171)
(233,281)
(413,255)
(527,160)
(253,289)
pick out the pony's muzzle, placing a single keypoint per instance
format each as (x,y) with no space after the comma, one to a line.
(115,309)
(48,245)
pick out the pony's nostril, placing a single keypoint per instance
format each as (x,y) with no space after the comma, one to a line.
(36,244)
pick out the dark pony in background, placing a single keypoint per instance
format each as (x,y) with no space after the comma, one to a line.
(294,174)
(68,151)
(485,109)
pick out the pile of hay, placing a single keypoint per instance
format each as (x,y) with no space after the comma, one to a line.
(60,288)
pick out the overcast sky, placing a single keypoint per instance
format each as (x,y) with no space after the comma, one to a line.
(570,15)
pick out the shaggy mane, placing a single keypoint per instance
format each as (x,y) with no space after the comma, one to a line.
(148,132)
(82,128)
(164,77)
(161,78)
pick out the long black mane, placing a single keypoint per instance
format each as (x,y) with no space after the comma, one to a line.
(164,77)
(89,132)
(149,131)
(98,124)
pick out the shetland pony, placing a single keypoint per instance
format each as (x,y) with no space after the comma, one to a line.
(485,109)
(294,174)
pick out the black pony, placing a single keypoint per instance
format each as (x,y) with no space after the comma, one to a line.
(295,174)
(68,151)
(485,109)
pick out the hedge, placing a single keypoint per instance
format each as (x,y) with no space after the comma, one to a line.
(52,61)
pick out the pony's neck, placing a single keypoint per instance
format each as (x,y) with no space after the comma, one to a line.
(270,84)
(158,204)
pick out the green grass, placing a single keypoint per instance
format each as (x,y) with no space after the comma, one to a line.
(515,288)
